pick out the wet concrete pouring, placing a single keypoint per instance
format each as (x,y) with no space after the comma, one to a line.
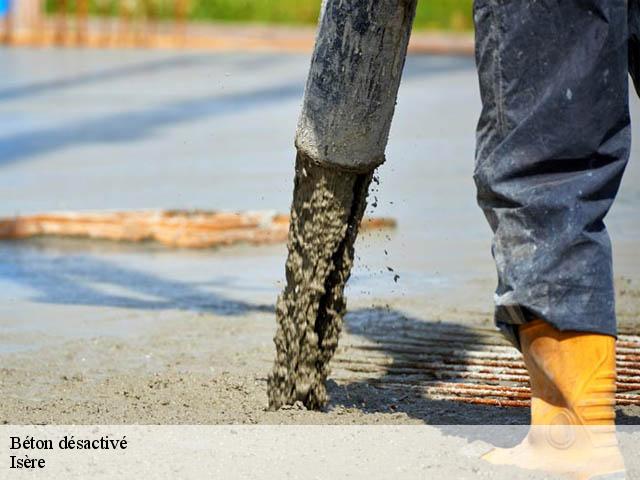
(328,206)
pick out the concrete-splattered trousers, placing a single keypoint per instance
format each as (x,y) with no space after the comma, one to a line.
(553,141)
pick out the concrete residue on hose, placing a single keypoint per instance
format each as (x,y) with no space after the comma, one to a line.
(328,205)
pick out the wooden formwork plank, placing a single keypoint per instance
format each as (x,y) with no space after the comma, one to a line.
(178,228)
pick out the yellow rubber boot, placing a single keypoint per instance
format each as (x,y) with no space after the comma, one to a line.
(573,383)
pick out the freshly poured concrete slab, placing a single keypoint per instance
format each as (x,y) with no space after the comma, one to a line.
(125,130)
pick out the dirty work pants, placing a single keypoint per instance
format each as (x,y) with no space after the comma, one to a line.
(553,141)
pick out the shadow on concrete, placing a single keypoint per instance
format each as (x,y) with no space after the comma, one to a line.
(128,70)
(80,279)
(59,277)
(398,330)
(133,125)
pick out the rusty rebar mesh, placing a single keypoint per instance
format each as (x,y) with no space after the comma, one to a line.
(458,363)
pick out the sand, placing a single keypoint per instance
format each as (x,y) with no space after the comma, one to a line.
(208,368)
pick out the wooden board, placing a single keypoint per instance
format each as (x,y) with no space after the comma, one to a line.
(176,229)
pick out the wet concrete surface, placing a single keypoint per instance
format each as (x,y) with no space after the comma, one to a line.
(91,129)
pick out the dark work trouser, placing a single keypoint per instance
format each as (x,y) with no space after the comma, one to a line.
(553,141)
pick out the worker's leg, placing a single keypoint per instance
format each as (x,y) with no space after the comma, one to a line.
(553,142)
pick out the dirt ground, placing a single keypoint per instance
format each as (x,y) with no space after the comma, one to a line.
(203,368)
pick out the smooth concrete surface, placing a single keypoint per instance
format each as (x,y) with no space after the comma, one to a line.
(92,129)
